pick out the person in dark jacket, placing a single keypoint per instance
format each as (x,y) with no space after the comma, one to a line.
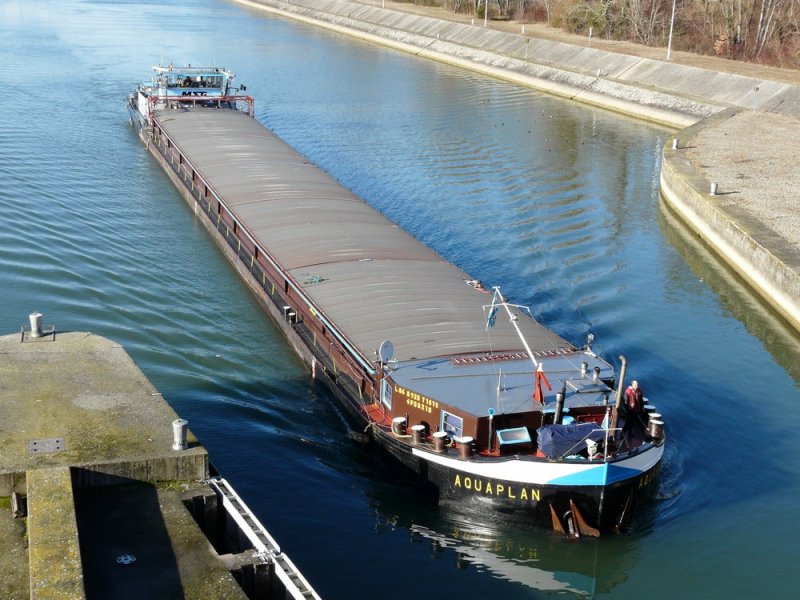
(634,407)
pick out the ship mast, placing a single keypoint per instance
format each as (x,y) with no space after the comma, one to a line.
(498,301)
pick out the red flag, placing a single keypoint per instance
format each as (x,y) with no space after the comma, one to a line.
(538,394)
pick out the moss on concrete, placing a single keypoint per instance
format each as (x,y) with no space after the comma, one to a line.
(86,389)
(56,570)
(14,574)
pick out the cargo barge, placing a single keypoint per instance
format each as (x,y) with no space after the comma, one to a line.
(466,389)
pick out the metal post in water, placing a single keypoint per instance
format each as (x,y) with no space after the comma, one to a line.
(180,427)
(714,188)
(674,143)
(36,324)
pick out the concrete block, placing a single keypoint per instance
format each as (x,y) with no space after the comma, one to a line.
(56,571)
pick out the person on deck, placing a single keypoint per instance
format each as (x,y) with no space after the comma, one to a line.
(634,407)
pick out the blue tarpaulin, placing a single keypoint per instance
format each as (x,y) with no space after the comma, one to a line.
(556,441)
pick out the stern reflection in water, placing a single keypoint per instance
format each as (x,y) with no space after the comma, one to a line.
(540,561)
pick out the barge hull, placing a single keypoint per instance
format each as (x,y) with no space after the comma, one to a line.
(340,361)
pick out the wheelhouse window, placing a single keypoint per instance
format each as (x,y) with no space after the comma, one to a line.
(451,424)
(386,393)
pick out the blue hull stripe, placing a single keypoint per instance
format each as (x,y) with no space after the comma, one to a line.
(602,475)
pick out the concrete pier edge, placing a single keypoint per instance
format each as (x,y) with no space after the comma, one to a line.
(95,498)
(759,256)
(766,261)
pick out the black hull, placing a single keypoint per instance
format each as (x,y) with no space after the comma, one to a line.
(608,508)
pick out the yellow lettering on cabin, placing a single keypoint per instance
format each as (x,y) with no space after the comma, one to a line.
(468,483)
(524,494)
(536,494)
(499,488)
(488,487)
(511,494)
(478,485)
(457,482)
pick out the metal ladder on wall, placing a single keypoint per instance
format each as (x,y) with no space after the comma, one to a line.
(296,585)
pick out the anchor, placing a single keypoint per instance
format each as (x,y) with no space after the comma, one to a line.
(576,524)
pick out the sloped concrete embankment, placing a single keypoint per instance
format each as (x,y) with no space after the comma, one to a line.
(660,92)
(764,259)
(670,94)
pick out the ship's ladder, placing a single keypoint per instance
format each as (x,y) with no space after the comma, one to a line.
(296,585)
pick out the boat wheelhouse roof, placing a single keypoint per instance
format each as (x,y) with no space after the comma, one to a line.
(473,384)
(372,280)
(190,70)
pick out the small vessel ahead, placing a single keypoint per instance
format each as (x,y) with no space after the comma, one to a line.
(461,386)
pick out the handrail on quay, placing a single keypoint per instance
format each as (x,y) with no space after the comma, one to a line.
(296,585)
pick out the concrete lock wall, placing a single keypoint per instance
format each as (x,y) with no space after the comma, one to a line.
(666,93)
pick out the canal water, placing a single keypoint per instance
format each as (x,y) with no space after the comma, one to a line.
(555,202)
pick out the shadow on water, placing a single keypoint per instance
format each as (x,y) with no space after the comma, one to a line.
(124,521)
(738,298)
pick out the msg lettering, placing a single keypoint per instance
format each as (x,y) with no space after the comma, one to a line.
(416,400)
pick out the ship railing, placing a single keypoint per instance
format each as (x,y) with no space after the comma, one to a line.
(245,104)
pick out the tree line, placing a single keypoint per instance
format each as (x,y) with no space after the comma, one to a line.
(764,31)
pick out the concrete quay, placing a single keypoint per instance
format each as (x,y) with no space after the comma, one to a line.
(750,220)
(737,120)
(94,500)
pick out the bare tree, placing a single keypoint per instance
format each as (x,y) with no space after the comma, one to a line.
(766,24)
(646,19)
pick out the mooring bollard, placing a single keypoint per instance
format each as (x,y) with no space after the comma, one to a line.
(179,429)
(713,188)
(36,324)
(464,446)
(674,143)
(399,426)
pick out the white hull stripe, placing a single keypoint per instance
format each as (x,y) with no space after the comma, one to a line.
(551,473)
